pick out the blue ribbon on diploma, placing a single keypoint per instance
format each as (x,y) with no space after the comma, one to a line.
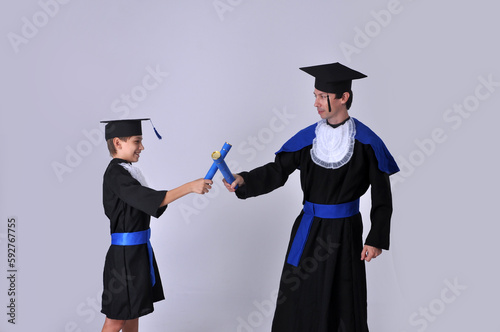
(220,164)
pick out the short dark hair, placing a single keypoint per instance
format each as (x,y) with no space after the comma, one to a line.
(348,104)
(111,145)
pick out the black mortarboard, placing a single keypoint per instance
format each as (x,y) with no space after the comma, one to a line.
(333,77)
(125,128)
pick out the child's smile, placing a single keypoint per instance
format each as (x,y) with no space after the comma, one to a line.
(130,149)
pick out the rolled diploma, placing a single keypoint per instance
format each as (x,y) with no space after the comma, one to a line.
(223,152)
(222,166)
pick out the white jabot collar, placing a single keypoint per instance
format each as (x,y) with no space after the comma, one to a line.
(333,147)
(135,172)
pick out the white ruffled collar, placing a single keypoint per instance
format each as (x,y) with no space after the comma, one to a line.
(135,172)
(333,147)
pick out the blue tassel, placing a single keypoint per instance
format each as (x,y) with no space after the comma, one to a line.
(156,132)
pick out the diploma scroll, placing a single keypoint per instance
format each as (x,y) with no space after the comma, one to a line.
(220,164)
(223,152)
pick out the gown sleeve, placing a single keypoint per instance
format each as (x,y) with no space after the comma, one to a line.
(381,207)
(128,189)
(269,177)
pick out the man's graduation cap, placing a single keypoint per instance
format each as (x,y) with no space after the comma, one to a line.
(125,128)
(333,77)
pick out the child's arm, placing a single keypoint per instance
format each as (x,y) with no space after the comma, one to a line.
(200,186)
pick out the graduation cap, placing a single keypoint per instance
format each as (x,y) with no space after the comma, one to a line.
(125,128)
(333,78)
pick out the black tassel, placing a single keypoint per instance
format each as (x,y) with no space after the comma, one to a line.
(329,107)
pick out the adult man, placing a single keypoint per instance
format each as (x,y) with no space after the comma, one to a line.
(323,284)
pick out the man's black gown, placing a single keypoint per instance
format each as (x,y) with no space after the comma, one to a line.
(128,291)
(326,292)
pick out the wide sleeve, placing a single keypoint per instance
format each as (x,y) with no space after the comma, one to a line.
(381,209)
(119,181)
(269,177)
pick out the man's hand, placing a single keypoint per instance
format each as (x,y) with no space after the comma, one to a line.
(370,252)
(238,180)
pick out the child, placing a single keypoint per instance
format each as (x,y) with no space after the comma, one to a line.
(131,279)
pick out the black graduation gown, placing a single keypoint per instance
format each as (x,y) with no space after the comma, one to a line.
(326,292)
(128,291)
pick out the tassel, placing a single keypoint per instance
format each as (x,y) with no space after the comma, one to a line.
(156,132)
(329,107)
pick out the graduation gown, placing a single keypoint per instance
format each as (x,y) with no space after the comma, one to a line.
(326,292)
(128,292)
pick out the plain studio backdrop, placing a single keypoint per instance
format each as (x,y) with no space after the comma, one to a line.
(208,72)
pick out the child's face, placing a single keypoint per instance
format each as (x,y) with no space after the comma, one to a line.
(130,149)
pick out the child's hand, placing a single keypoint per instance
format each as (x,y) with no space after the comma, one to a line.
(201,186)
(238,180)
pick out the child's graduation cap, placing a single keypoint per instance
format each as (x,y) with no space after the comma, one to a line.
(333,78)
(125,128)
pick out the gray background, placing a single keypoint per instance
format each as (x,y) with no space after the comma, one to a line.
(228,71)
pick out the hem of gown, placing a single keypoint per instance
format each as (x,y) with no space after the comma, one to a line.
(131,316)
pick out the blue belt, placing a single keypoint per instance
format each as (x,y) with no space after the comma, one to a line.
(312,210)
(133,239)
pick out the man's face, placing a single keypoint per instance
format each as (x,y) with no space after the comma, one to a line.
(321,103)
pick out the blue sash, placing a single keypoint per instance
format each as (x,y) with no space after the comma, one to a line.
(133,239)
(312,210)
